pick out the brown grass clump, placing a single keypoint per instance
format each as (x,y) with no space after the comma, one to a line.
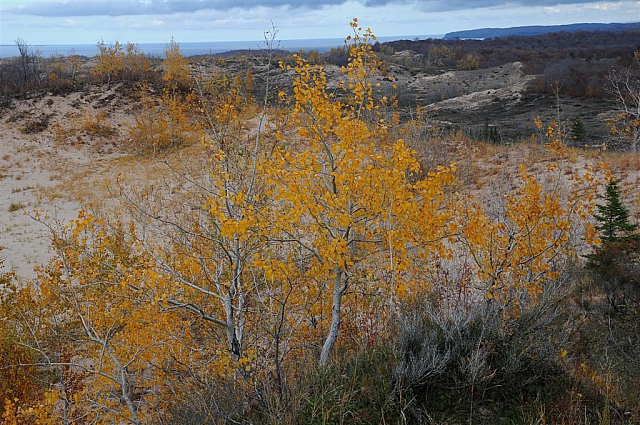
(37,125)
(94,124)
(15,206)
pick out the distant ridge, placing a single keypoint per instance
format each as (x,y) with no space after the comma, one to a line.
(539,29)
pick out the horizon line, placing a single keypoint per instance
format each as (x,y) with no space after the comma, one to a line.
(407,36)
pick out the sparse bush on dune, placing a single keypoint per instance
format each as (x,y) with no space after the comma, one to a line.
(163,124)
(37,125)
(478,360)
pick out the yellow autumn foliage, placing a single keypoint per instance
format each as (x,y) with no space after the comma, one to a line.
(279,243)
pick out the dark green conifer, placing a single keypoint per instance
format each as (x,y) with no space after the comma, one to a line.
(613,216)
(578,132)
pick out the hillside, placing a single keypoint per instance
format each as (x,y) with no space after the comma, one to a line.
(481,33)
(551,76)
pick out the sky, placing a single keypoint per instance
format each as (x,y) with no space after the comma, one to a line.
(157,21)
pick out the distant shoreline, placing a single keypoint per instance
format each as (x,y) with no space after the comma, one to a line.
(198,48)
(533,30)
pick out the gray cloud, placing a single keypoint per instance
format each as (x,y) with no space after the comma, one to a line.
(446,5)
(153,7)
(167,7)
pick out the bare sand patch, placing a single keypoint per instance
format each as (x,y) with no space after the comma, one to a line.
(37,170)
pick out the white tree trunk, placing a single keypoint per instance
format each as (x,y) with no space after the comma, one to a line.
(339,287)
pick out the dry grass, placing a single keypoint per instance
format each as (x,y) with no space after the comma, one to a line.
(96,124)
(75,126)
(15,206)
(622,162)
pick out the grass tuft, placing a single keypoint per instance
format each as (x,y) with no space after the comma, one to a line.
(15,206)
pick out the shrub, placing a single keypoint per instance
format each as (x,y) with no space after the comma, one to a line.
(15,207)
(36,125)
(96,124)
(615,267)
(209,404)
(357,390)
(453,362)
(17,381)
(604,355)
(163,124)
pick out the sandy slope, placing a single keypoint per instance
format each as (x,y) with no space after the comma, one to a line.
(40,169)
(36,170)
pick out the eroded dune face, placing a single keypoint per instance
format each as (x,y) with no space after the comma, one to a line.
(470,88)
(44,172)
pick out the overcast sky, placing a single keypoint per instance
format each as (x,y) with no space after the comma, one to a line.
(143,21)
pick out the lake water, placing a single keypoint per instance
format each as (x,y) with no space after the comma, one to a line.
(199,48)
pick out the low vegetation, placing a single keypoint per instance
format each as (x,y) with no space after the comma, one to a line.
(309,255)
(15,207)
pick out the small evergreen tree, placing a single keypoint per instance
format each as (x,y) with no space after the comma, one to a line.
(615,264)
(578,132)
(613,216)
